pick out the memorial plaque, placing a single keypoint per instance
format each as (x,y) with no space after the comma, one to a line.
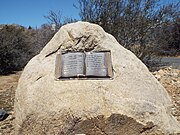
(95,64)
(84,65)
(72,64)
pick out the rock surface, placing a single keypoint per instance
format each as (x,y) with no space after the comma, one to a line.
(134,102)
(3,114)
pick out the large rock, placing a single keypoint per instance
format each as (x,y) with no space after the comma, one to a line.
(134,102)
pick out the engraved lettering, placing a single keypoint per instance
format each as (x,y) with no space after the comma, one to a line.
(95,64)
(73,64)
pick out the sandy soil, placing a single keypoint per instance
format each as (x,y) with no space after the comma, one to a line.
(169,78)
(8,85)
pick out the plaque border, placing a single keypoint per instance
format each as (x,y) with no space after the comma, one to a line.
(108,62)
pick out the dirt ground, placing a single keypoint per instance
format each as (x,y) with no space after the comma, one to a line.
(168,77)
(8,85)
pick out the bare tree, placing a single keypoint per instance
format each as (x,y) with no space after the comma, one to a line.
(43,36)
(54,18)
(14,48)
(168,38)
(132,22)
(19,44)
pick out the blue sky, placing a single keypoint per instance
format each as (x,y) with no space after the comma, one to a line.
(31,12)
